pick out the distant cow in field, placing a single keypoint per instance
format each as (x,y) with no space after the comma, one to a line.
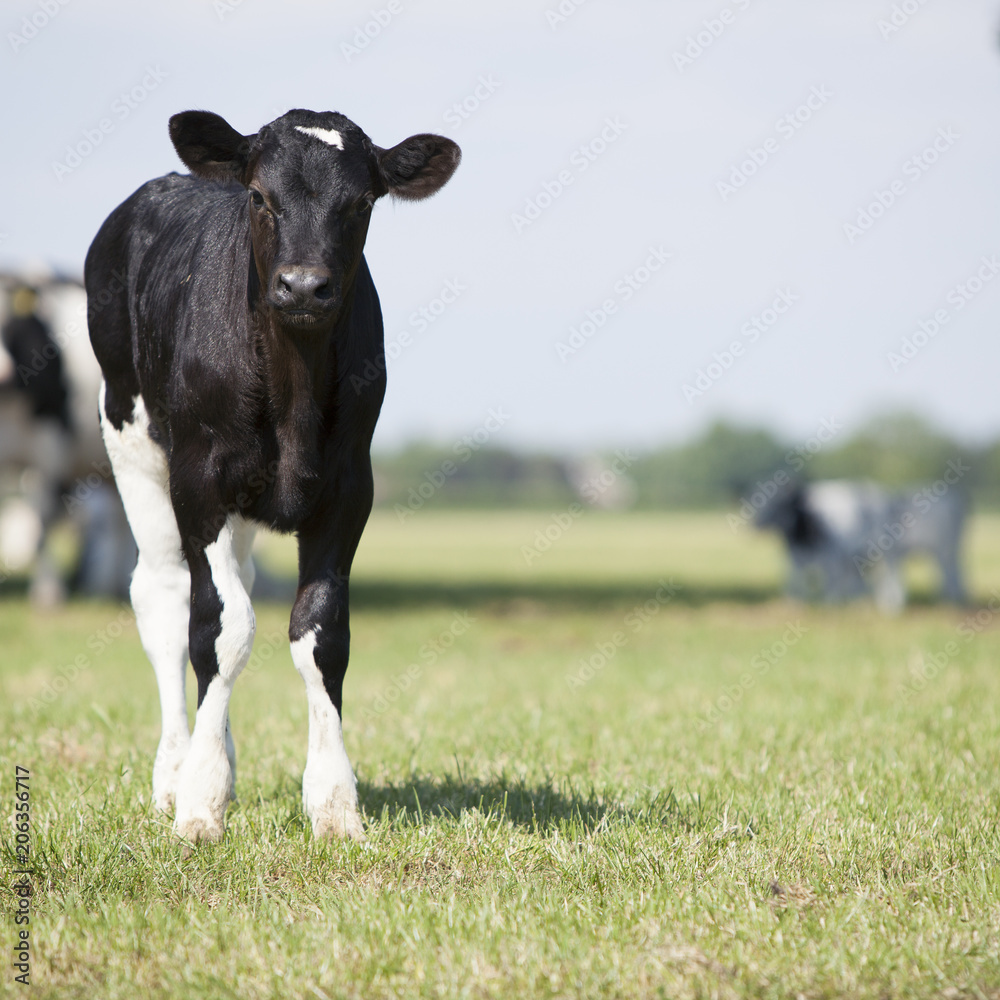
(53,466)
(242,318)
(846,539)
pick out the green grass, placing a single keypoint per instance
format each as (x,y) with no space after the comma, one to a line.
(716,811)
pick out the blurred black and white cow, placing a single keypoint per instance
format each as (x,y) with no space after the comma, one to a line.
(53,465)
(848,539)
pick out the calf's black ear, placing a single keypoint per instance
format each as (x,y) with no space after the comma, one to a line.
(419,166)
(209,146)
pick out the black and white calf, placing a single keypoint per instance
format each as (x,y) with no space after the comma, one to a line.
(229,311)
(846,539)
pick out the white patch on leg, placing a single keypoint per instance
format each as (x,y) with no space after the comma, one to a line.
(208,773)
(161,584)
(329,791)
(232,647)
(890,594)
(328,135)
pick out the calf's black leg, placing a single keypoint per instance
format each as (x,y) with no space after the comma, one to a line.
(320,643)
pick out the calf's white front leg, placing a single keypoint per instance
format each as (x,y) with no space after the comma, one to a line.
(320,636)
(221,638)
(329,791)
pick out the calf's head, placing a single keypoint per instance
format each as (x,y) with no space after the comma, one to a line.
(311,179)
(789,512)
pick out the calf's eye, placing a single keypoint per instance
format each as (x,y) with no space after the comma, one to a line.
(257,198)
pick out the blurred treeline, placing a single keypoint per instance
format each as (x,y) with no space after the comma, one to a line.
(713,470)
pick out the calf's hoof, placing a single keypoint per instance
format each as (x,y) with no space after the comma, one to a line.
(199,829)
(338,820)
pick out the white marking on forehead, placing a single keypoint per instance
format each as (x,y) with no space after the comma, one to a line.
(329,135)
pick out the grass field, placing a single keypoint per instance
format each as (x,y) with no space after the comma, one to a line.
(623,766)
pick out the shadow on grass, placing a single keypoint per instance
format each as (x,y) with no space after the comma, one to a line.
(511,597)
(538,807)
(503,596)
(380,594)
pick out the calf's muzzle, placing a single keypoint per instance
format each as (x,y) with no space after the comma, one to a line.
(300,289)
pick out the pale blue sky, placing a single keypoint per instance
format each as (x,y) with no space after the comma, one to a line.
(657,139)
